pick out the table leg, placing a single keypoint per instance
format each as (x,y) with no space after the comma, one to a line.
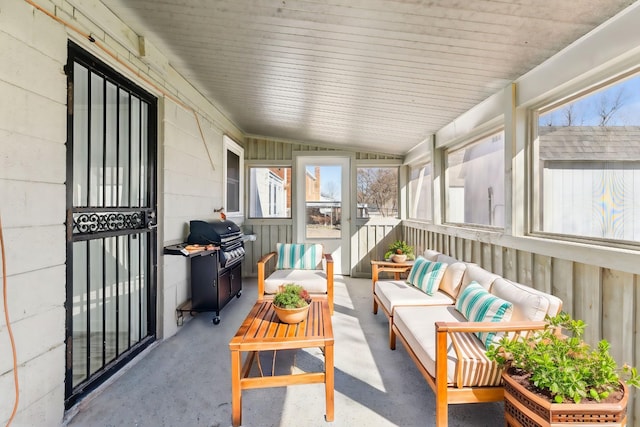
(328,380)
(236,391)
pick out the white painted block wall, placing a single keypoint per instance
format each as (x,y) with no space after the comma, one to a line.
(33,121)
(32,205)
(192,189)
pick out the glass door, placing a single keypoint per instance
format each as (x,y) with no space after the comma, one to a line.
(323,208)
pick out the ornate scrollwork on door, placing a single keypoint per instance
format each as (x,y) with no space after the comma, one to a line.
(87,223)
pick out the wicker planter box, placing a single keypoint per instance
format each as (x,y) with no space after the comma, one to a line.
(525,409)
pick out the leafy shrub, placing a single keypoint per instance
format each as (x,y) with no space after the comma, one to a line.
(558,361)
(399,247)
(291,296)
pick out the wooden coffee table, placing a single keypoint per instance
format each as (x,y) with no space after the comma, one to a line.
(262,331)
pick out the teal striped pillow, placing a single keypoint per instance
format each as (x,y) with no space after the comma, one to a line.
(478,305)
(426,275)
(299,256)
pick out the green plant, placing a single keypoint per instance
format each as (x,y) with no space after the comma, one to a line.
(399,247)
(291,296)
(557,361)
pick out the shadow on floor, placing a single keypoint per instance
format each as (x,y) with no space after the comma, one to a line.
(185,380)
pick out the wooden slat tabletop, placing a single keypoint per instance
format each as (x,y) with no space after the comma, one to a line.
(262,330)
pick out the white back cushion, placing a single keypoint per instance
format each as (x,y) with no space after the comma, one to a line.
(555,303)
(527,305)
(430,254)
(452,278)
(446,259)
(475,273)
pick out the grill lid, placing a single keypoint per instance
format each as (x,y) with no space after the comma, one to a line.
(216,232)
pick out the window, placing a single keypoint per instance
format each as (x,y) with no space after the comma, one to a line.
(475,182)
(270,192)
(586,163)
(420,200)
(233,169)
(377,192)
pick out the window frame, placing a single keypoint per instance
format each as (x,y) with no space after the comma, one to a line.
(534,188)
(398,168)
(379,163)
(267,165)
(229,144)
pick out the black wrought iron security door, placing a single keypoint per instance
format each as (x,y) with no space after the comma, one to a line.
(111,220)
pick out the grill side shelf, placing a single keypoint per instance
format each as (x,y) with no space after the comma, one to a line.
(181,249)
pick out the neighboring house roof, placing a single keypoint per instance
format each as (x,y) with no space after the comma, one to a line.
(589,143)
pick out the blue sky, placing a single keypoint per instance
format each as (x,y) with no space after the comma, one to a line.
(330,179)
(585,109)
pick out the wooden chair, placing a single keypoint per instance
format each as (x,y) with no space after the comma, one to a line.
(303,264)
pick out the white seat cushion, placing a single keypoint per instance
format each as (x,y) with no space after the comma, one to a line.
(417,326)
(393,293)
(314,281)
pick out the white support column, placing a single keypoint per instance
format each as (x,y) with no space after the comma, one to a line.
(438,201)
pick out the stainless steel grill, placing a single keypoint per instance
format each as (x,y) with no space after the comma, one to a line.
(223,233)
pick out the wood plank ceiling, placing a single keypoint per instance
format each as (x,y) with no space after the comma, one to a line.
(377,75)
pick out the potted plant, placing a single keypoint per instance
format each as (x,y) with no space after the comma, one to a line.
(291,303)
(553,377)
(399,251)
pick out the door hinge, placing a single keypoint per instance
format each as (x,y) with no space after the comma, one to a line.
(70,98)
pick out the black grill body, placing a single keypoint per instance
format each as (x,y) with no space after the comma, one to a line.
(215,276)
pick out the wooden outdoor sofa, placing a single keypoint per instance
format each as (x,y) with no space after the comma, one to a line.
(436,328)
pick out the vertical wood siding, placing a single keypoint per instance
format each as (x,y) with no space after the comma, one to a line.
(372,243)
(266,238)
(370,239)
(607,300)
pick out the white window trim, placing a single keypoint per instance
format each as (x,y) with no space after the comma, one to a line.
(412,203)
(229,144)
(266,165)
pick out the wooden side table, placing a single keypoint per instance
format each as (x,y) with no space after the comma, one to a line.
(262,331)
(393,267)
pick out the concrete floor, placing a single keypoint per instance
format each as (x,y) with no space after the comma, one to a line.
(185,380)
